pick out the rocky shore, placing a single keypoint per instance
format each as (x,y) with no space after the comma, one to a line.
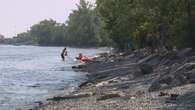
(135,80)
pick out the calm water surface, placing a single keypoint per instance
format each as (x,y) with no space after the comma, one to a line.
(30,73)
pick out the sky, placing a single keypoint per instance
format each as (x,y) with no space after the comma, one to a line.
(18,16)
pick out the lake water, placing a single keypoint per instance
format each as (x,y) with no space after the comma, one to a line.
(31,73)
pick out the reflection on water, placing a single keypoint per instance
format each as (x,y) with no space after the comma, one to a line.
(29,74)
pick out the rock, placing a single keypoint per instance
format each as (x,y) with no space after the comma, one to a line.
(179,80)
(108,96)
(79,67)
(167,79)
(146,68)
(139,93)
(191,76)
(132,98)
(163,94)
(155,86)
(161,83)
(102,83)
(144,60)
(39,102)
(83,84)
(187,98)
(124,86)
(184,53)
(178,76)
(174,96)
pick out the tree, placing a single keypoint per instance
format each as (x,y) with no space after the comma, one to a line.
(81,26)
(48,32)
(148,23)
(117,22)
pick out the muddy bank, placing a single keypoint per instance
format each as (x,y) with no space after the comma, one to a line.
(133,81)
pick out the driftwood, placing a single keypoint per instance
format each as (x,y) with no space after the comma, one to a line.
(74,96)
(108,96)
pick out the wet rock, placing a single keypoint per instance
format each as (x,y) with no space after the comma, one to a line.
(79,67)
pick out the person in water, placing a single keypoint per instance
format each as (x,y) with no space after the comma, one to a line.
(80,56)
(63,54)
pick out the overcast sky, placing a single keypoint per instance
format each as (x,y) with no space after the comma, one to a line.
(18,15)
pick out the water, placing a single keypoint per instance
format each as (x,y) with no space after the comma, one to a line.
(30,73)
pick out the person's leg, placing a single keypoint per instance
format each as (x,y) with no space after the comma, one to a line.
(62,56)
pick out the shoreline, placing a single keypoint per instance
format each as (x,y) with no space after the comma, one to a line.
(132,80)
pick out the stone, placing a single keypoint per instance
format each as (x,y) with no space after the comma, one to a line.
(184,52)
(146,68)
(191,76)
(155,86)
(79,67)
(102,83)
(174,96)
(108,96)
(39,103)
(187,98)
(167,79)
(163,94)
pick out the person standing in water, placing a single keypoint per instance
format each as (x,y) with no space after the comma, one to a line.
(64,53)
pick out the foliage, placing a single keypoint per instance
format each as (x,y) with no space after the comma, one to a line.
(48,32)
(153,23)
(157,24)
(81,26)
(80,30)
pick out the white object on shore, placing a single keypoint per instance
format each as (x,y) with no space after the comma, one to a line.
(132,98)
(101,84)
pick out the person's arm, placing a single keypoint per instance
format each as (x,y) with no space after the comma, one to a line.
(65,53)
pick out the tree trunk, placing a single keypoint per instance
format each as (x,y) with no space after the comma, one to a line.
(191,38)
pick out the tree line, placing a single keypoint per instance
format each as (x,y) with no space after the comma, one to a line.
(149,23)
(121,23)
(80,30)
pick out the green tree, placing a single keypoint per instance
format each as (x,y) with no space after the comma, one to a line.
(117,23)
(81,26)
(148,23)
(48,32)
(43,32)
